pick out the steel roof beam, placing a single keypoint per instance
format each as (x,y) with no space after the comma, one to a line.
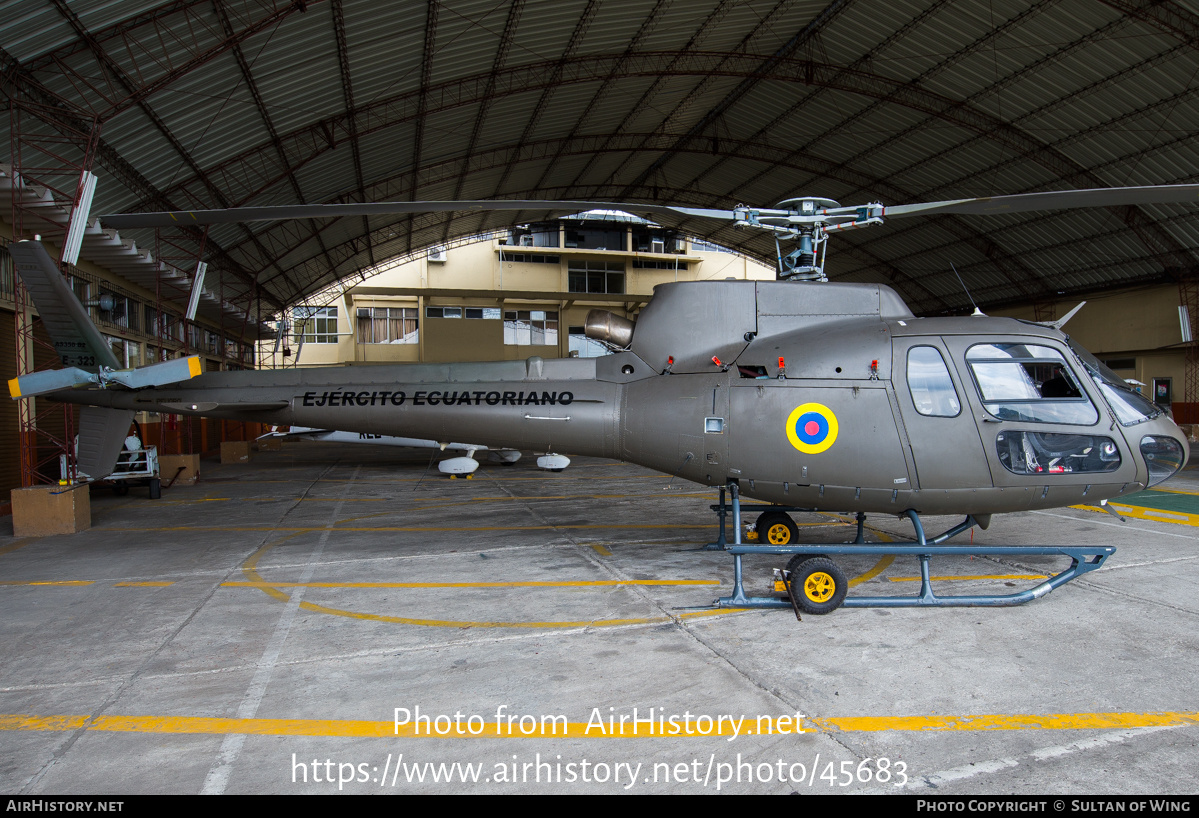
(422,102)
(347,88)
(260,104)
(811,31)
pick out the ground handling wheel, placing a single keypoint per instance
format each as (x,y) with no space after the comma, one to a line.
(818,585)
(776,528)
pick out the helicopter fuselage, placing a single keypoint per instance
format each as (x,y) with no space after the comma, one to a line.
(824,396)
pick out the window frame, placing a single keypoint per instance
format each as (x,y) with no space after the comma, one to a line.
(994,405)
(948,377)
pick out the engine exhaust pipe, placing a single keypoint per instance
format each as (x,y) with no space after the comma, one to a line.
(603,325)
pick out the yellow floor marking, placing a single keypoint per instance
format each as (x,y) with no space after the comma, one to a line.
(971,576)
(150,584)
(1154,514)
(1177,491)
(1049,721)
(434,480)
(450,623)
(249,569)
(602,583)
(601,550)
(48,582)
(415,529)
(13,546)
(346,728)
(882,565)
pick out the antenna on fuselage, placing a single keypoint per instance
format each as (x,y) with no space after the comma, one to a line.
(977,311)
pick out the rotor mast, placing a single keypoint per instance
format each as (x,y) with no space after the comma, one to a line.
(807,222)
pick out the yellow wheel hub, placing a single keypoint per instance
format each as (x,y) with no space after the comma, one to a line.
(819,587)
(778,534)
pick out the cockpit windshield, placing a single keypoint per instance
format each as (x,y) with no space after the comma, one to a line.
(1129,405)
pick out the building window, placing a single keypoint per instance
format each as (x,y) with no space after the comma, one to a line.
(443,312)
(583,347)
(643,264)
(542,234)
(651,240)
(388,325)
(595,277)
(315,325)
(530,328)
(528,258)
(588,235)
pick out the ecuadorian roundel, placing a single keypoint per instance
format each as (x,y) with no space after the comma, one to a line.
(812,428)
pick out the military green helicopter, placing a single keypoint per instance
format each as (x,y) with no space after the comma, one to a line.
(801,393)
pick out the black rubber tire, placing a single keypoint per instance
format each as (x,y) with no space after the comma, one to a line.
(776,525)
(155,488)
(818,586)
(799,559)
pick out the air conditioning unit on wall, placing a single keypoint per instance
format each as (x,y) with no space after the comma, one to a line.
(437,254)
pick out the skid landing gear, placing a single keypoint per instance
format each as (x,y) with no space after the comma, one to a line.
(817,585)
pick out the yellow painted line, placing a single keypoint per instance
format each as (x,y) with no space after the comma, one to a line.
(249,569)
(971,576)
(1139,513)
(547,727)
(13,546)
(48,582)
(451,623)
(150,584)
(604,583)
(601,550)
(1177,491)
(417,529)
(1049,721)
(880,566)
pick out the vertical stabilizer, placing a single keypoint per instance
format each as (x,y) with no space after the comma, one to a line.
(76,339)
(102,434)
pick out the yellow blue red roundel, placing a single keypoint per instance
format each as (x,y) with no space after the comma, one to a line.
(812,428)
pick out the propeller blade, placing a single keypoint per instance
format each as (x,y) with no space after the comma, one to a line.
(1053,200)
(175,218)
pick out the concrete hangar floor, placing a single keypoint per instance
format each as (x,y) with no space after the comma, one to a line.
(264,630)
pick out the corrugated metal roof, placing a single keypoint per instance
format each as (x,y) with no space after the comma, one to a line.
(706,102)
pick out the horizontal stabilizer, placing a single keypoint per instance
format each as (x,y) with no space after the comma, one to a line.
(179,369)
(39,383)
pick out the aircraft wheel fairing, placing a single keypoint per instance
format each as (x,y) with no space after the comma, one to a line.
(818,586)
(776,528)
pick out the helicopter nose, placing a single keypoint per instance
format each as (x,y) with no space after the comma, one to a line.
(1165,453)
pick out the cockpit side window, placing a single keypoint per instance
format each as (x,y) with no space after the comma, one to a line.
(932,388)
(1029,382)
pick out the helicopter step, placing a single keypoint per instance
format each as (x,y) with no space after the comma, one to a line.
(817,585)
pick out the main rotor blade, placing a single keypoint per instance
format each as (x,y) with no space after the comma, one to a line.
(176,218)
(1053,200)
